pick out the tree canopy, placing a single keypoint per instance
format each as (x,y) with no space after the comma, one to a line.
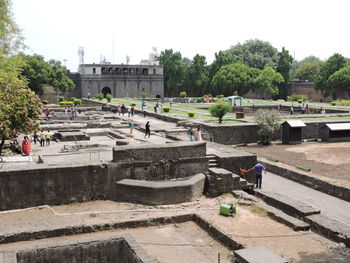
(40,73)
(309,70)
(267,81)
(174,70)
(332,65)
(340,80)
(284,65)
(255,53)
(235,78)
(197,76)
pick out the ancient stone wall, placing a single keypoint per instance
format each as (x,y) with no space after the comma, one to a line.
(156,152)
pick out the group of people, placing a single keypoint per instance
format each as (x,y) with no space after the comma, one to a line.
(44,138)
(195,135)
(122,109)
(72,112)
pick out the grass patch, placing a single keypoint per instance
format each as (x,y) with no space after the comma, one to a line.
(272,159)
(303,168)
(226,195)
(257,210)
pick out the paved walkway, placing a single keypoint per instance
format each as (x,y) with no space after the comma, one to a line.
(330,206)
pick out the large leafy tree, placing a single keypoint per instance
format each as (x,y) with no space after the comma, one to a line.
(267,81)
(340,80)
(197,76)
(20,108)
(255,53)
(309,70)
(40,73)
(221,59)
(236,78)
(174,70)
(332,65)
(284,65)
(10,37)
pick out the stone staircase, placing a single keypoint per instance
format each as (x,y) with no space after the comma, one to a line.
(213,162)
(221,181)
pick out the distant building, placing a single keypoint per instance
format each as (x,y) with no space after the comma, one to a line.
(118,79)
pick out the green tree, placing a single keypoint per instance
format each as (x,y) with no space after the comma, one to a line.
(20,107)
(10,37)
(234,79)
(340,80)
(221,59)
(40,73)
(309,70)
(255,53)
(197,76)
(268,125)
(332,65)
(284,65)
(174,70)
(219,110)
(267,81)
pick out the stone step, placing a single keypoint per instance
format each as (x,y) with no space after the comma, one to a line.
(213,165)
(289,206)
(242,182)
(213,161)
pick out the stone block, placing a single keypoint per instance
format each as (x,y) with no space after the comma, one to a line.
(258,254)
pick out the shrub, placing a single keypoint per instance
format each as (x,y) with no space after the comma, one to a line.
(190,114)
(297,97)
(60,98)
(44,102)
(99,96)
(144,95)
(220,96)
(183,94)
(109,97)
(340,102)
(268,125)
(133,104)
(300,100)
(67,103)
(166,108)
(333,103)
(281,100)
(77,102)
(73,98)
(220,109)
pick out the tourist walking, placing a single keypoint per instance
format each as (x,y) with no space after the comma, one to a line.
(42,138)
(25,146)
(129,111)
(36,136)
(144,110)
(132,110)
(122,108)
(190,135)
(155,105)
(259,168)
(198,135)
(48,136)
(148,130)
(291,110)
(131,126)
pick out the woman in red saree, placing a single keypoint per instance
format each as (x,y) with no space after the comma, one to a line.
(26,146)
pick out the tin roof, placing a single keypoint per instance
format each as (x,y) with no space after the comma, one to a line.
(295,123)
(338,126)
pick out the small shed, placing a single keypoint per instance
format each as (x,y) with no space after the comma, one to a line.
(335,132)
(292,131)
(236,100)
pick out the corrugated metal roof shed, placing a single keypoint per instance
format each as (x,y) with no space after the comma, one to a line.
(338,126)
(295,123)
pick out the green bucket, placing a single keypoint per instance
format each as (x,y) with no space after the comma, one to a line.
(228,209)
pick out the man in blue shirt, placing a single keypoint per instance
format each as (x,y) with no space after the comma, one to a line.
(258,173)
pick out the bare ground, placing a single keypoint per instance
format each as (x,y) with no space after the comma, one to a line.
(329,160)
(182,242)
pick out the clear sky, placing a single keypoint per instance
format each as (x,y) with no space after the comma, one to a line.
(56,29)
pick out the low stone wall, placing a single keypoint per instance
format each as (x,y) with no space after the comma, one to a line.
(161,192)
(56,185)
(156,152)
(308,180)
(121,249)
